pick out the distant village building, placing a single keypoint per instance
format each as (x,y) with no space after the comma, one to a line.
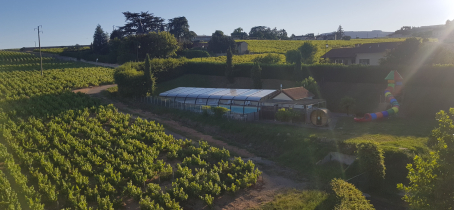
(242,47)
(366,54)
(202,38)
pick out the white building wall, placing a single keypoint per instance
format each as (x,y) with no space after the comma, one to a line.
(282,96)
(374,58)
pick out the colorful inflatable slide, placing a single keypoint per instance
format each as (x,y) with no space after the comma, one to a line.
(394,88)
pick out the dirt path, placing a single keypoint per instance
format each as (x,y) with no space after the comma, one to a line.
(274,178)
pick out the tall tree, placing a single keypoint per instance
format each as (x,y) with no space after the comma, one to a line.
(312,86)
(219,43)
(256,75)
(239,33)
(179,27)
(293,56)
(148,21)
(116,34)
(100,40)
(149,77)
(263,32)
(229,66)
(308,51)
(339,33)
(282,34)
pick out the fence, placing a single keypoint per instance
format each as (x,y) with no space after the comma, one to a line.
(196,108)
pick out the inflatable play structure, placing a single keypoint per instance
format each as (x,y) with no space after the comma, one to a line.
(394,88)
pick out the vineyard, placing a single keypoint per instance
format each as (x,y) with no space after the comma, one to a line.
(62,150)
(282,46)
(248,58)
(61,49)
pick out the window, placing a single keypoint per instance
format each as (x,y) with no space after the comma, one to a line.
(364,61)
(339,61)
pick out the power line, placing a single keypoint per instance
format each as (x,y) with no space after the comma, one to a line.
(39,42)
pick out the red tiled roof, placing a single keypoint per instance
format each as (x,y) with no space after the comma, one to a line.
(297,93)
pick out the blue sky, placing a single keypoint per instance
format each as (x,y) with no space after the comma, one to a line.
(73,22)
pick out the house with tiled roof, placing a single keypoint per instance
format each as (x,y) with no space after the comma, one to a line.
(366,54)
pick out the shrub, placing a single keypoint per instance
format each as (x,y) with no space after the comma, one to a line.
(267,59)
(130,81)
(346,196)
(293,56)
(286,115)
(308,51)
(219,111)
(372,163)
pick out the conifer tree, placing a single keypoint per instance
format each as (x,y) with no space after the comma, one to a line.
(256,75)
(229,67)
(150,80)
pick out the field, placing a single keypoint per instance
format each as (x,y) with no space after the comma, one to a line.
(248,58)
(282,46)
(59,149)
(60,50)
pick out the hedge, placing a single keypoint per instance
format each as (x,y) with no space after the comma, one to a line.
(346,196)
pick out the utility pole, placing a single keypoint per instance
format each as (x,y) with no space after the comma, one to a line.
(40,55)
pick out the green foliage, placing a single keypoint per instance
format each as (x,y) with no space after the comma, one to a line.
(130,81)
(312,86)
(372,163)
(285,115)
(150,81)
(345,196)
(308,51)
(340,33)
(296,200)
(229,67)
(347,104)
(100,40)
(267,59)
(403,54)
(293,56)
(219,43)
(219,111)
(157,45)
(431,177)
(256,75)
(148,204)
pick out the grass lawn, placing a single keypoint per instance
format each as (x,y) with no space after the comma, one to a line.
(296,200)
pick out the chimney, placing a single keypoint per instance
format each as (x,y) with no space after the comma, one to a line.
(280,88)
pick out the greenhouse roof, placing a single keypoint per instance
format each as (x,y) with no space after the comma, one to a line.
(218,93)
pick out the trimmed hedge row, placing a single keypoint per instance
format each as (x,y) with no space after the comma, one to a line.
(434,76)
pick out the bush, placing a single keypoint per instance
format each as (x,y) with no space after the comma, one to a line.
(286,115)
(293,56)
(346,196)
(346,37)
(267,59)
(130,81)
(372,163)
(219,111)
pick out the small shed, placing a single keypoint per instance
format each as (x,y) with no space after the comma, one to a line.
(320,117)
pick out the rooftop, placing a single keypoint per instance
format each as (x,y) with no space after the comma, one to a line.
(218,93)
(297,93)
